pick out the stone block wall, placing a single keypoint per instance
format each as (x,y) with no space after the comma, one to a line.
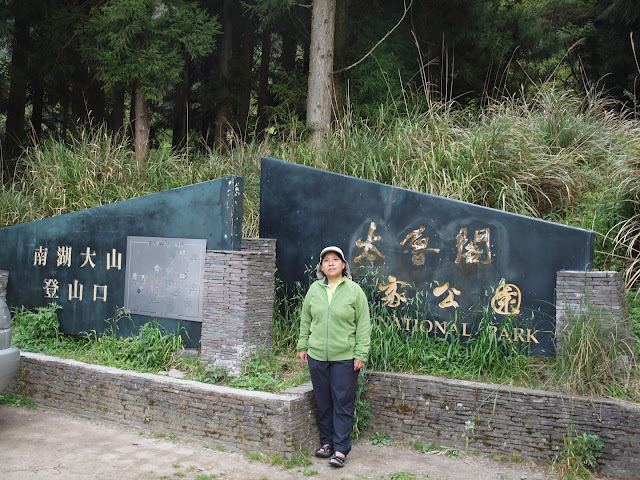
(506,420)
(4,280)
(599,293)
(210,414)
(237,310)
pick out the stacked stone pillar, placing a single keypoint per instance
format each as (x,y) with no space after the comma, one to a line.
(593,293)
(4,279)
(237,310)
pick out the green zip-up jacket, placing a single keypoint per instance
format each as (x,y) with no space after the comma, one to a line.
(340,330)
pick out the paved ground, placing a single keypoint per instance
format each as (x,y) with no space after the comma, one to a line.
(46,444)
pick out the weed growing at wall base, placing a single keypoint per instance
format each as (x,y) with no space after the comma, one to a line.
(16,401)
(152,349)
(37,328)
(579,456)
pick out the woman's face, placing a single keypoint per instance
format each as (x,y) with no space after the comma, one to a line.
(332,265)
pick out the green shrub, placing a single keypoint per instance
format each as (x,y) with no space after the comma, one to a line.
(38,328)
(579,456)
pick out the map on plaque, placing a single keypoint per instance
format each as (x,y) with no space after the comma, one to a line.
(164,277)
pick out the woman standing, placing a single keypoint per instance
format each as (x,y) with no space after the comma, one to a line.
(335,330)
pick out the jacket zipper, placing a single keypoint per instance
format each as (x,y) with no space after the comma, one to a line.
(326,344)
(328,316)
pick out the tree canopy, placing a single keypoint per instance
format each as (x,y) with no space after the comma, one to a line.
(213,70)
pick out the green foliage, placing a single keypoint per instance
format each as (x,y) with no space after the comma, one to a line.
(579,456)
(151,350)
(16,401)
(261,372)
(380,439)
(267,373)
(595,357)
(268,11)
(490,355)
(401,475)
(362,407)
(286,317)
(275,458)
(143,42)
(34,329)
(301,459)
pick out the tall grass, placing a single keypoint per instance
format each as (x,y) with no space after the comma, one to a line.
(539,156)
(571,158)
(596,357)
(485,356)
(152,349)
(99,167)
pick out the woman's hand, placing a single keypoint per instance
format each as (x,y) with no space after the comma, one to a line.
(302,356)
(357,364)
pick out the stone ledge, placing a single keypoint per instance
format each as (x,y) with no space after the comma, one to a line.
(266,422)
(508,420)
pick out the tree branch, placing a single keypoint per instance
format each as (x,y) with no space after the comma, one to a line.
(404,14)
(633,47)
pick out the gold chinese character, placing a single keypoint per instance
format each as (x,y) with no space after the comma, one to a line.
(75,290)
(87,258)
(103,295)
(40,256)
(114,260)
(369,249)
(64,256)
(506,300)
(392,297)
(473,253)
(51,288)
(449,300)
(418,245)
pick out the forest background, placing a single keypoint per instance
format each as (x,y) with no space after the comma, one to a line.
(200,73)
(527,106)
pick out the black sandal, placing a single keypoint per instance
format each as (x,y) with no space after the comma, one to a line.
(336,461)
(324,451)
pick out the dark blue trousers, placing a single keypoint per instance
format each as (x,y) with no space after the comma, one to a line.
(334,386)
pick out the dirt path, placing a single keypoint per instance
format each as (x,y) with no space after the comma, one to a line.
(50,444)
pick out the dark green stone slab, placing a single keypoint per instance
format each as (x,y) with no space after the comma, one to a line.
(448,272)
(210,210)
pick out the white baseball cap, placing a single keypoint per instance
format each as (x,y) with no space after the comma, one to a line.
(345,272)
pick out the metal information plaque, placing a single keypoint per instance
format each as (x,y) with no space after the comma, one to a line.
(164,277)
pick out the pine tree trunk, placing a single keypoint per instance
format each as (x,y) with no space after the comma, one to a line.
(117,113)
(320,68)
(263,87)
(96,103)
(340,47)
(132,112)
(37,103)
(142,129)
(288,54)
(221,125)
(14,136)
(181,110)
(244,90)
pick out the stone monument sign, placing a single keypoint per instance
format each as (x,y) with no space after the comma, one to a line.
(434,262)
(79,260)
